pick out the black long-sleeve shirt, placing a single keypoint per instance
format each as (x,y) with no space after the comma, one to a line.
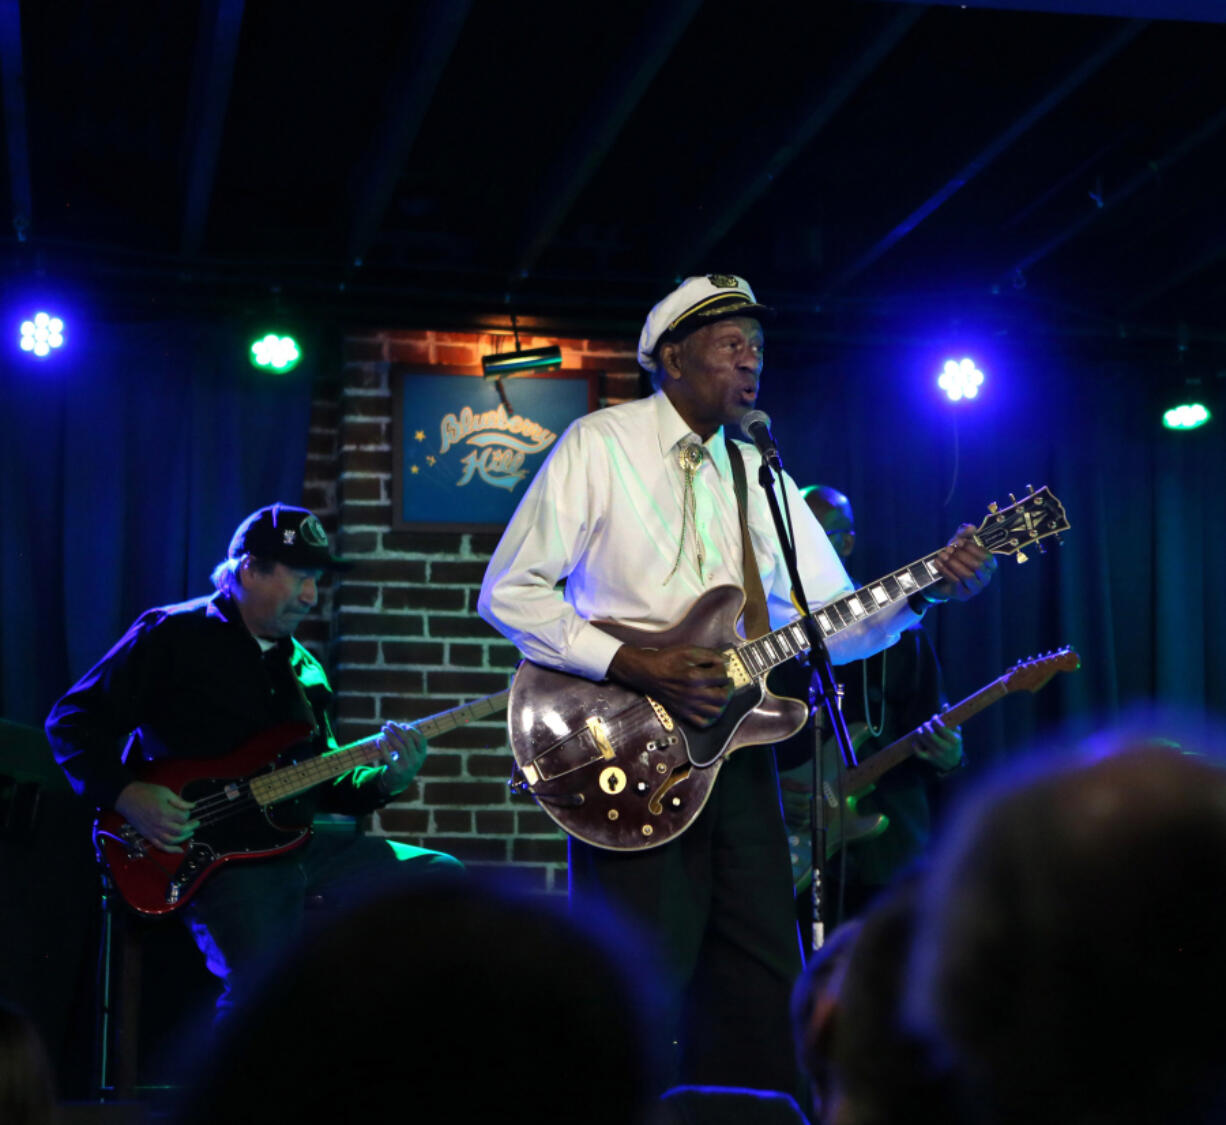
(896,690)
(191,681)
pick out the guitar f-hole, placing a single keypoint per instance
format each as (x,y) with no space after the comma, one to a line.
(655,803)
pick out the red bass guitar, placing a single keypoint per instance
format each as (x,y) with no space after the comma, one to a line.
(239,801)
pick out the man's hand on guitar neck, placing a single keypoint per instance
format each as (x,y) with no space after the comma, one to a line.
(967,567)
(939,744)
(403,750)
(157,813)
(690,682)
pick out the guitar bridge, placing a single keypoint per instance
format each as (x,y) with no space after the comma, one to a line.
(666,720)
(134,844)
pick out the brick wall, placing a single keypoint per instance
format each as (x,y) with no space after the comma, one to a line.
(400,634)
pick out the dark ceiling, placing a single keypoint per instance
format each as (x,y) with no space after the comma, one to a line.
(865,164)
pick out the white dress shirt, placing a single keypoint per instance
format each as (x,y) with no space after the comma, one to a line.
(604,513)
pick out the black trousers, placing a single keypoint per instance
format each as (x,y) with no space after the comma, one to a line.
(717,904)
(248,914)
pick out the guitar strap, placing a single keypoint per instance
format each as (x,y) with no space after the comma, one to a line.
(757,620)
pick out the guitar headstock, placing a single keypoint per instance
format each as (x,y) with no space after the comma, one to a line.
(1030,675)
(1030,520)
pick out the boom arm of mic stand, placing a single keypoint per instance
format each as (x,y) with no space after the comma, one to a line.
(823,677)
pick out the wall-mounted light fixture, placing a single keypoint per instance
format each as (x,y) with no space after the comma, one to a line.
(499,364)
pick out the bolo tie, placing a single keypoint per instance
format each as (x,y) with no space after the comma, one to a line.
(690,456)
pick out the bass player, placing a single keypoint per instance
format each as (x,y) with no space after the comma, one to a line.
(199,679)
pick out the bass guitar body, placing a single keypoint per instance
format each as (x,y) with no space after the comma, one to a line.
(234,825)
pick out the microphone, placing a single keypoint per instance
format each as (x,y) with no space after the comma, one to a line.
(756,425)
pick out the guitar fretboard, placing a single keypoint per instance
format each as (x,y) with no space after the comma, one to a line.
(761,655)
(1028,676)
(870,772)
(289,781)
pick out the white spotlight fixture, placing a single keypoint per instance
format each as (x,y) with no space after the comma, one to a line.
(42,335)
(960,379)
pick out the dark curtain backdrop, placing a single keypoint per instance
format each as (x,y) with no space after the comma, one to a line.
(126,464)
(1132,586)
(126,468)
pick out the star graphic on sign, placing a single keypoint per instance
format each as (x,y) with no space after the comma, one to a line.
(420,435)
(429,458)
(414,470)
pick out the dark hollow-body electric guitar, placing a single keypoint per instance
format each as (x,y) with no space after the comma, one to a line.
(616,769)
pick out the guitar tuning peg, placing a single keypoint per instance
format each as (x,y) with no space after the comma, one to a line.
(1059,541)
(1030,490)
(1042,547)
(1012,498)
(1021,557)
(993,507)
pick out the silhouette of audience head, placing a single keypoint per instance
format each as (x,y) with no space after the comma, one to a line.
(1073,940)
(868,1067)
(726,1105)
(815,999)
(27,1087)
(452,1002)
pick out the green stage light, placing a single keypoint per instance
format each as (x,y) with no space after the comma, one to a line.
(1188,416)
(275,353)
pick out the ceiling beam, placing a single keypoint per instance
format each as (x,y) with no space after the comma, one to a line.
(590,142)
(423,58)
(13,78)
(212,78)
(1152,170)
(690,251)
(1108,49)
(1203,11)
(1213,252)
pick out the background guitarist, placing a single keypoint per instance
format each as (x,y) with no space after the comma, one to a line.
(198,680)
(636,510)
(892,692)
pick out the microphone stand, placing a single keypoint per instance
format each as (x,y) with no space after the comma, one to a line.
(821,684)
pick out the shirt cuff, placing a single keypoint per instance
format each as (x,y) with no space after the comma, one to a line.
(592,653)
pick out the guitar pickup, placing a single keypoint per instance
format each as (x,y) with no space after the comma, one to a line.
(737,672)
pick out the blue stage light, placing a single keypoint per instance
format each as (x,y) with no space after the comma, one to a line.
(960,379)
(42,335)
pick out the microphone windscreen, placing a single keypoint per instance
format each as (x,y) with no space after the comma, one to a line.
(753,418)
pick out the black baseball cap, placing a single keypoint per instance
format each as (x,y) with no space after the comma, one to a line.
(289,535)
